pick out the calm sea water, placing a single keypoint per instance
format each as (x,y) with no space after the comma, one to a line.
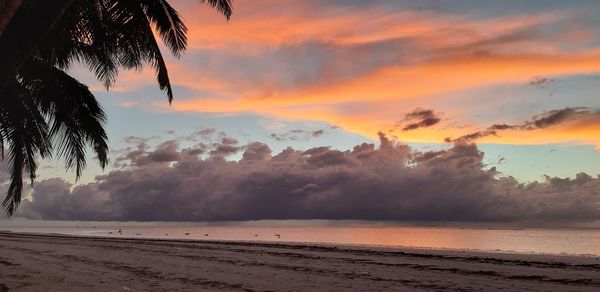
(528,240)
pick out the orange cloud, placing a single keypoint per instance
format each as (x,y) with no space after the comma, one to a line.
(372,65)
(427,81)
(260,23)
(437,77)
(584,133)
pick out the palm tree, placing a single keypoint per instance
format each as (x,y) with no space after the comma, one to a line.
(31,23)
(7,10)
(41,105)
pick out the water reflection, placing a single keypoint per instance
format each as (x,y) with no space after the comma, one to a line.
(554,241)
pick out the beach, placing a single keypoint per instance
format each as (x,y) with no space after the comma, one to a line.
(38,262)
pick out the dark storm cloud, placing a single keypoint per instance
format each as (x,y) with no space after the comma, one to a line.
(297,135)
(545,120)
(256,151)
(388,182)
(164,152)
(228,146)
(419,118)
(131,153)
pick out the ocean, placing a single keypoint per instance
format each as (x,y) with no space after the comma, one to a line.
(566,241)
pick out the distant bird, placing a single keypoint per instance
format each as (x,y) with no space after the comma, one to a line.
(255,235)
(205,234)
(166,234)
(278,235)
(110,232)
(137,234)
(187,233)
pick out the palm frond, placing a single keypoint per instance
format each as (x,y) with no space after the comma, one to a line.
(43,103)
(168,23)
(24,128)
(222,6)
(74,115)
(139,25)
(101,54)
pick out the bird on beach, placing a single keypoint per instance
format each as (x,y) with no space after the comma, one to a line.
(206,234)
(187,233)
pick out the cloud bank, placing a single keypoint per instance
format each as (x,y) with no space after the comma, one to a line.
(391,181)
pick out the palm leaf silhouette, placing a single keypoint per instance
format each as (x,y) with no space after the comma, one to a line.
(43,110)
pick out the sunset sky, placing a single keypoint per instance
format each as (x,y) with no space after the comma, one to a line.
(354,68)
(518,78)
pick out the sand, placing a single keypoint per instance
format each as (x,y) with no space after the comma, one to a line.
(34,262)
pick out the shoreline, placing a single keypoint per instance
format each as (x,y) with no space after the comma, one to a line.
(348,246)
(391,250)
(42,262)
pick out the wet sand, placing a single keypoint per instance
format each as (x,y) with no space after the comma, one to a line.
(31,262)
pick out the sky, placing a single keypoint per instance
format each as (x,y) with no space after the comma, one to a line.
(331,109)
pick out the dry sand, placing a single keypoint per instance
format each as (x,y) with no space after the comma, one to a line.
(30,262)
